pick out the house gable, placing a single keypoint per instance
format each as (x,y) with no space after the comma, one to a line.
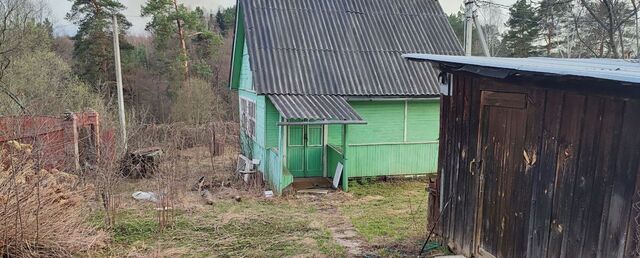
(239,49)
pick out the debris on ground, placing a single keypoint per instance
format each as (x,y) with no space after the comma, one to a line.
(207,196)
(145,196)
(268,194)
(141,163)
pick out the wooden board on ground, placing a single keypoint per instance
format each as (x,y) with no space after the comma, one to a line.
(337,175)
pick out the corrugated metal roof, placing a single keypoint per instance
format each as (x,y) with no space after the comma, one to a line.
(315,107)
(345,47)
(606,69)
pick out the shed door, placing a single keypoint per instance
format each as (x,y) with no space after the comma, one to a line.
(501,222)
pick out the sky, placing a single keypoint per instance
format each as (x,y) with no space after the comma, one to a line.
(59,9)
(63,27)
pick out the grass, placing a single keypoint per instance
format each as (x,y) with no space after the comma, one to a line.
(389,216)
(388,211)
(251,228)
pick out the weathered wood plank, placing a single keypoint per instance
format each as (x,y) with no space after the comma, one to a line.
(473,95)
(504,99)
(622,193)
(605,166)
(442,163)
(460,188)
(567,157)
(591,128)
(463,193)
(529,167)
(543,184)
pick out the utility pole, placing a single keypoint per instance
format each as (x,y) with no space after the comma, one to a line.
(637,34)
(116,51)
(483,40)
(468,27)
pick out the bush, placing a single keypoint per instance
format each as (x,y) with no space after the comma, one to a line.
(45,85)
(197,104)
(43,212)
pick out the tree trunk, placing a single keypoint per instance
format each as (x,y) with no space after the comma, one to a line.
(183,46)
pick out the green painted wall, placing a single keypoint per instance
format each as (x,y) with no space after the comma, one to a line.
(246,76)
(392,159)
(385,122)
(383,146)
(423,123)
(271,125)
(334,155)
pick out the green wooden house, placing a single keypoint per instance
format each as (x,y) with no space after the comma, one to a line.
(323,82)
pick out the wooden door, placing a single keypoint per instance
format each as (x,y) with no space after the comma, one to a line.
(500,215)
(305,147)
(295,150)
(313,151)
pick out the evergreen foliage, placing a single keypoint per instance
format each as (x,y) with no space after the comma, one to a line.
(523,30)
(93,42)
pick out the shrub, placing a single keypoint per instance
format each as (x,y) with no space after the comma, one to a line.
(42,212)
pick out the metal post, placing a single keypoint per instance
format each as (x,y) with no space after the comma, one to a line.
(116,51)
(468,27)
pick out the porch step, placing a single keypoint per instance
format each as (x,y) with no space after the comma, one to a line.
(314,191)
(311,182)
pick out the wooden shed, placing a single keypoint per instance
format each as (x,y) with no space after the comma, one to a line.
(539,156)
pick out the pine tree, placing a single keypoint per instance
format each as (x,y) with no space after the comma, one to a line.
(93,50)
(523,30)
(554,18)
(225,20)
(173,21)
(168,19)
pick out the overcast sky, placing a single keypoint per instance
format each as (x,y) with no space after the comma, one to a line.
(60,7)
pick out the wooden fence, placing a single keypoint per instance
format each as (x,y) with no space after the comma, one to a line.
(65,142)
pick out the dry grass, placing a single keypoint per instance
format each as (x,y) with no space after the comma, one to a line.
(43,212)
(387,217)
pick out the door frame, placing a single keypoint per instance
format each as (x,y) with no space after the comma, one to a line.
(305,132)
(477,164)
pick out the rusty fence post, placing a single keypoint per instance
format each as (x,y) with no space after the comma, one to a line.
(94,122)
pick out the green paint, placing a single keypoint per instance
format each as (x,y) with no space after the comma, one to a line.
(423,121)
(271,126)
(239,45)
(392,159)
(345,158)
(304,150)
(334,155)
(313,151)
(335,135)
(385,122)
(295,151)
(246,76)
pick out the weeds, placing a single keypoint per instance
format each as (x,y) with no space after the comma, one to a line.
(43,212)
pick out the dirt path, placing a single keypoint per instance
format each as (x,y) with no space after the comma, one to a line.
(342,231)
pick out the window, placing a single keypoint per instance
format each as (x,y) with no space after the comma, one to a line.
(248,117)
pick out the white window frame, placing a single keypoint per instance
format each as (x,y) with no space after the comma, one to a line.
(248,117)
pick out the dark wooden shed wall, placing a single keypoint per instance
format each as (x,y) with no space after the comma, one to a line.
(573,185)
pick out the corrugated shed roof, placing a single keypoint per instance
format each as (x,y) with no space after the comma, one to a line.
(345,47)
(607,69)
(315,107)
